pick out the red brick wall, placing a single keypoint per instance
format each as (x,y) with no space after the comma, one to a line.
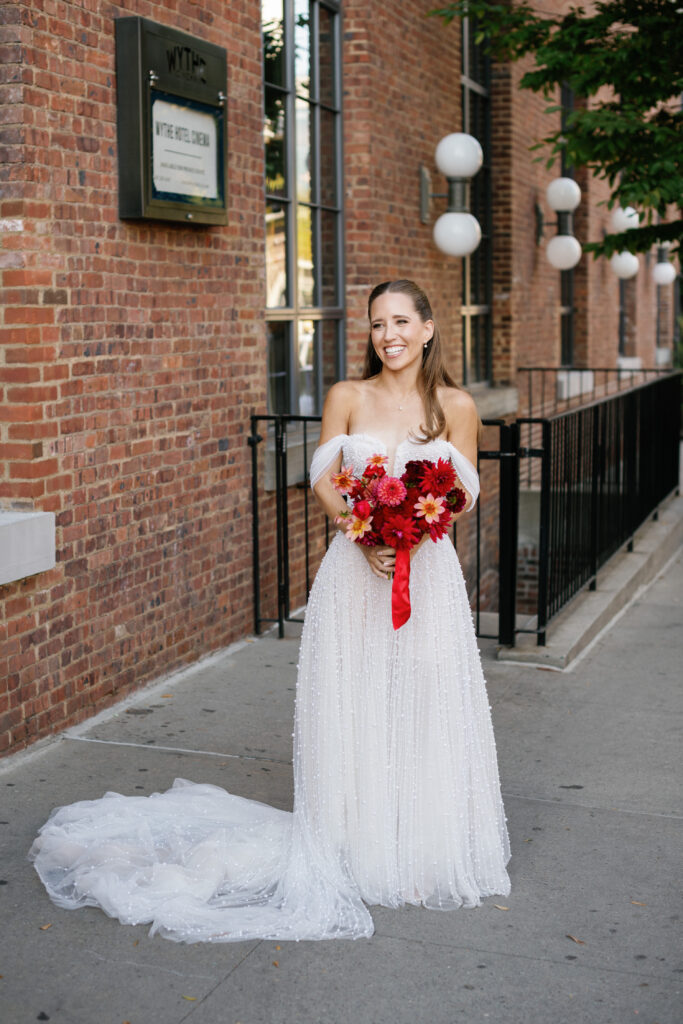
(526,287)
(133,355)
(401,96)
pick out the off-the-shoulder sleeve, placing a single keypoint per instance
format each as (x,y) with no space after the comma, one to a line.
(467,473)
(324,456)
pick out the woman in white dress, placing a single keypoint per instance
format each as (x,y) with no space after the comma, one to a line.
(396,791)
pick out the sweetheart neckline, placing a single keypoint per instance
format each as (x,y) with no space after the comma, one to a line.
(378,440)
(406,439)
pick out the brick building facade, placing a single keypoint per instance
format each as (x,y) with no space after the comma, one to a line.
(134,352)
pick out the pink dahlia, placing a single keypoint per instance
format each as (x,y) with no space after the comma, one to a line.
(391,491)
(430,507)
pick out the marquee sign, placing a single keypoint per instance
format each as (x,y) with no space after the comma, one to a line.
(171,91)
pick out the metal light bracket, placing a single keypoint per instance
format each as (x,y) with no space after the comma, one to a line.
(564,223)
(456,195)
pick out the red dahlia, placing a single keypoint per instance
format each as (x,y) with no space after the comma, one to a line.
(457,500)
(438,478)
(399,532)
(412,474)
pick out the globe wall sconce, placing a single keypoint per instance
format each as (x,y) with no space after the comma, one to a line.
(625,264)
(663,272)
(458,157)
(563,196)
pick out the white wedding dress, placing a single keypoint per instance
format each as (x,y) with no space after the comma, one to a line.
(396,791)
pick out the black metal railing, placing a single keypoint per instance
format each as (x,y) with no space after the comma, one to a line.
(281,488)
(599,471)
(605,468)
(549,390)
(282,447)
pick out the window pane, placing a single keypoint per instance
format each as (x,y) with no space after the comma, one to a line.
(479,68)
(305,249)
(276,255)
(567,317)
(479,196)
(328,330)
(478,274)
(328,257)
(478,368)
(326,56)
(304,113)
(278,367)
(328,152)
(567,339)
(302,47)
(273,42)
(306,368)
(275,142)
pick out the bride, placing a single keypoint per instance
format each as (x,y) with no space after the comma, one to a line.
(396,791)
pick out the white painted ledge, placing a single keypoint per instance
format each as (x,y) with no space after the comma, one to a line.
(571,383)
(629,363)
(295,454)
(494,403)
(27,544)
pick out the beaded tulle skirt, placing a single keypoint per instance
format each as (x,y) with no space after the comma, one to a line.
(396,790)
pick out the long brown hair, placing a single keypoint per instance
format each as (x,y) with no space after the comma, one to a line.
(432,374)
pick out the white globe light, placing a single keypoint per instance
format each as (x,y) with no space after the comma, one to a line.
(624,219)
(663,273)
(624,264)
(457,234)
(563,195)
(563,252)
(458,155)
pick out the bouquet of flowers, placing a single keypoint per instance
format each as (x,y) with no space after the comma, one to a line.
(398,512)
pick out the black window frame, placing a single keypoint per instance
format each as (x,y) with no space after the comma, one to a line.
(567,278)
(477,269)
(295,318)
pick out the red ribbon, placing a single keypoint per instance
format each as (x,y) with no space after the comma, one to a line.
(400,590)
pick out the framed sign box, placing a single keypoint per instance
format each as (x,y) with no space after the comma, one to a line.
(171,124)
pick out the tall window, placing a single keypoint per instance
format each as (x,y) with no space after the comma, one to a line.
(477,269)
(567,307)
(304,256)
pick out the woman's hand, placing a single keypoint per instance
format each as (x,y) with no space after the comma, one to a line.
(381,560)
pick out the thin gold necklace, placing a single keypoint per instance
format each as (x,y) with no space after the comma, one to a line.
(405,398)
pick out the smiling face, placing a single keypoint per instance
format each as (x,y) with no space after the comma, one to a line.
(397,332)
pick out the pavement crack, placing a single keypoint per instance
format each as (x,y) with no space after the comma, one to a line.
(561,802)
(177,750)
(153,967)
(528,956)
(220,982)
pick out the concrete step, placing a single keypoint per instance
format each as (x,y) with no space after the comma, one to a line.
(619,581)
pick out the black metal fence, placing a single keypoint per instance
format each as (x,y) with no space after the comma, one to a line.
(599,471)
(282,483)
(549,390)
(605,468)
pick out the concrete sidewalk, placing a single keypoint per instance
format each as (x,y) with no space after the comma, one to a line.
(589,934)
